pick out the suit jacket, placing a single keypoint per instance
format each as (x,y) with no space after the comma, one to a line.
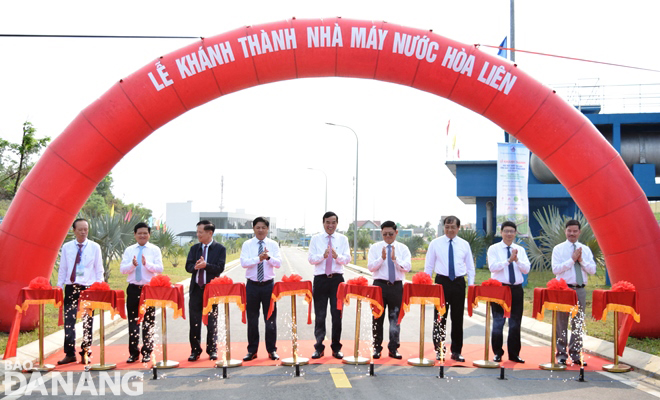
(215,261)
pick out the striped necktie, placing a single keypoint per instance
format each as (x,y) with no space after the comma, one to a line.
(260,266)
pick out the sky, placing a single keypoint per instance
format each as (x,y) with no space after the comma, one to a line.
(263,140)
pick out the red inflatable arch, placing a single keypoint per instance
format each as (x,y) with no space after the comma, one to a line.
(585,163)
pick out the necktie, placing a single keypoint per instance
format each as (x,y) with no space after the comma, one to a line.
(512,273)
(452,271)
(138,269)
(200,272)
(75,264)
(328,261)
(390,264)
(260,266)
(578,271)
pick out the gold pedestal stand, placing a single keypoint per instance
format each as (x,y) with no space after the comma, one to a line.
(421,361)
(355,358)
(553,366)
(165,363)
(102,366)
(295,360)
(228,362)
(616,367)
(41,367)
(486,363)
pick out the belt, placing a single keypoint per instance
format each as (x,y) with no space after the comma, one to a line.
(576,286)
(133,284)
(388,283)
(329,276)
(508,284)
(263,283)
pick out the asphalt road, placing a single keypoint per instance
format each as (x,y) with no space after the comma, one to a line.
(326,381)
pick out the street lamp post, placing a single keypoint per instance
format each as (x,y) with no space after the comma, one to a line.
(326,186)
(355,227)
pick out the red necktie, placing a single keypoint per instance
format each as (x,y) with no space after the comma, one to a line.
(78,258)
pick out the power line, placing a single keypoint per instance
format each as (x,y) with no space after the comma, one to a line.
(566,57)
(96,36)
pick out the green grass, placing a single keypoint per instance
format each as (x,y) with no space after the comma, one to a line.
(599,329)
(117,281)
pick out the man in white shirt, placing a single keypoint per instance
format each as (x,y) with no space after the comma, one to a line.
(141,262)
(508,263)
(450,257)
(389,261)
(572,261)
(80,266)
(328,253)
(259,256)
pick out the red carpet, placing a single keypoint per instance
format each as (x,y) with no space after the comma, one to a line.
(117,354)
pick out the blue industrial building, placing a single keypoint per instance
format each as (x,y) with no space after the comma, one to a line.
(635,136)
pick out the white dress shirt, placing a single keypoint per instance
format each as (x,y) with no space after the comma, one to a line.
(250,258)
(499,265)
(437,257)
(379,267)
(562,262)
(319,244)
(154,265)
(89,270)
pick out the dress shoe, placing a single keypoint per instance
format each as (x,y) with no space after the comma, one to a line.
(497,358)
(146,358)
(562,362)
(376,355)
(317,354)
(273,356)
(395,354)
(250,356)
(213,355)
(580,363)
(132,359)
(67,360)
(457,357)
(517,359)
(193,357)
(337,354)
(83,359)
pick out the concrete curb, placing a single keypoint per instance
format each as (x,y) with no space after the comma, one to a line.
(55,341)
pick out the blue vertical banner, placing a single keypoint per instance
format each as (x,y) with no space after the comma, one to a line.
(512,179)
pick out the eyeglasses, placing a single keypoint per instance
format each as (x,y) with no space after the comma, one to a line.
(388,234)
(508,231)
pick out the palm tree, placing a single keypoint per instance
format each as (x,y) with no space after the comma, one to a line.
(478,241)
(113,234)
(553,223)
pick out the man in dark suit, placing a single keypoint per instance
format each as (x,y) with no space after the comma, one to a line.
(206,260)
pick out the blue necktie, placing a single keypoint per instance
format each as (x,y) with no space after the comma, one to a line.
(390,264)
(260,266)
(452,271)
(512,273)
(138,269)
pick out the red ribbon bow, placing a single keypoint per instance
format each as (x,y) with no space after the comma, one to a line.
(40,283)
(491,282)
(422,278)
(359,281)
(221,280)
(623,286)
(557,284)
(99,286)
(292,278)
(161,280)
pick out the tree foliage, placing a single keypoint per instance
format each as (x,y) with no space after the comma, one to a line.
(478,240)
(539,248)
(414,243)
(16,160)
